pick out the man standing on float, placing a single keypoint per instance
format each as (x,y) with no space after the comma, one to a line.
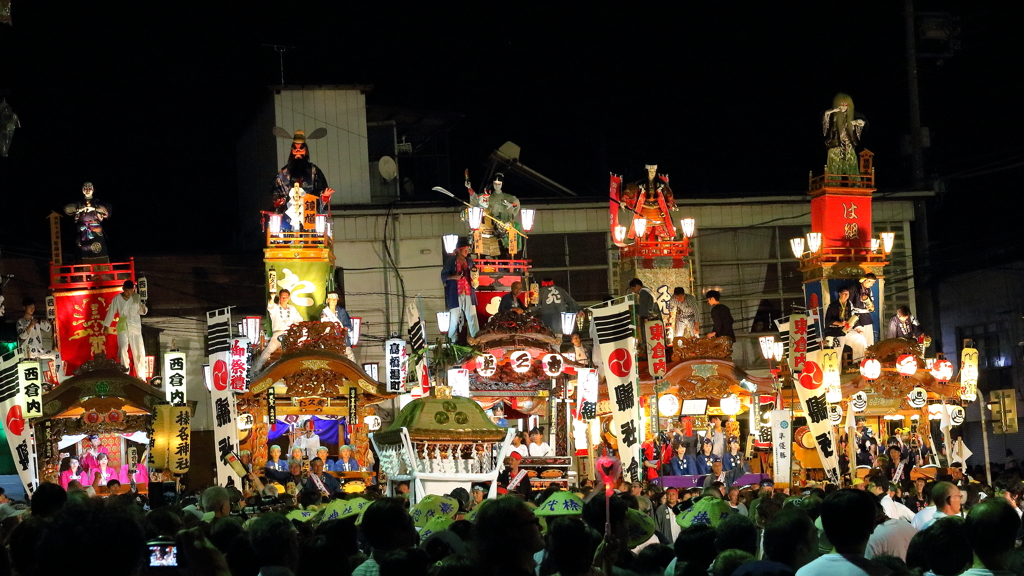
(459,295)
(129,308)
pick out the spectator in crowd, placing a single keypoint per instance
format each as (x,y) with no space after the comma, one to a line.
(791,539)
(991,528)
(507,529)
(891,536)
(275,543)
(216,500)
(387,527)
(48,500)
(947,500)
(848,518)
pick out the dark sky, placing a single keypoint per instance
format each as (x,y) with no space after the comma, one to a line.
(146,101)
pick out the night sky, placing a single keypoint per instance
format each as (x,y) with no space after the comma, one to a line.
(147,100)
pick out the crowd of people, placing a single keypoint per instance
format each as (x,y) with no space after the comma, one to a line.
(942,527)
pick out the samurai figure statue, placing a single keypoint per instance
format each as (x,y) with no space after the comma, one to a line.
(89,215)
(842,131)
(652,199)
(300,170)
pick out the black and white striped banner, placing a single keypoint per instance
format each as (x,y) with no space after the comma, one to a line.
(218,330)
(417,333)
(813,333)
(9,375)
(613,326)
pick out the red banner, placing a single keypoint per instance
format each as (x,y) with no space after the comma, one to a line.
(80,330)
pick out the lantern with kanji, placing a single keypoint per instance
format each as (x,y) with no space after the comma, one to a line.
(906,365)
(870,368)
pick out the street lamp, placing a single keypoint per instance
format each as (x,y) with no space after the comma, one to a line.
(689,225)
(528,215)
(797,244)
(450,242)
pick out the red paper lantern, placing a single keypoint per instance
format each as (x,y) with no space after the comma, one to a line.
(906,365)
(870,368)
(942,370)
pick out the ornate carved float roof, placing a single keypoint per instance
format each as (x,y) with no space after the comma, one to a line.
(317,372)
(101,384)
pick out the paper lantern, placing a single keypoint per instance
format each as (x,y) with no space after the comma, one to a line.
(689,225)
(321,223)
(640,226)
(730,405)
(450,242)
(876,244)
(458,381)
(917,397)
(906,364)
(942,370)
(813,241)
(527,215)
(830,376)
(275,223)
(870,368)
(956,415)
(797,245)
(553,364)
(568,322)
(521,361)
(353,334)
(969,374)
(935,411)
(251,328)
(486,365)
(372,423)
(780,351)
(619,233)
(444,321)
(668,405)
(888,239)
(767,346)
(476,217)
(859,402)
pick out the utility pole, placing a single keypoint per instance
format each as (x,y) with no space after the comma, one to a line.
(916,144)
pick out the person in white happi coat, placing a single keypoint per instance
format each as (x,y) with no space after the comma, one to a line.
(129,308)
(282,315)
(30,332)
(332,312)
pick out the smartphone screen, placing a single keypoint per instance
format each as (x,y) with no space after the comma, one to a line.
(163,555)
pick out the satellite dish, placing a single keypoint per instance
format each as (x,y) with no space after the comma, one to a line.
(387,168)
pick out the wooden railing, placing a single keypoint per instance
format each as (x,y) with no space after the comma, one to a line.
(494,265)
(844,254)
(299,239)
(91,275)
(657,250)
(821,181)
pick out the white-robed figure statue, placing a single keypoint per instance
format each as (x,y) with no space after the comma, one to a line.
(282,315)
(332,312)
(129,308)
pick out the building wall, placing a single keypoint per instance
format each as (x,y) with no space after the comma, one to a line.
(341,155)
(986,306)
(739,243)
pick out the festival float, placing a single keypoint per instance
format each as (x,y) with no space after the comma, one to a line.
(269,390)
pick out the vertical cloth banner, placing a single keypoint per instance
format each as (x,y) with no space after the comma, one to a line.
(417,342)
(225,429)
(614,328)
(82,335)
(16,426)
(586,393)
(239,381)
(306,280)
(765,406)
(31,379)
(782,442)
(172,438)
(811,390)
(396,364)
(656,360)
(174,378)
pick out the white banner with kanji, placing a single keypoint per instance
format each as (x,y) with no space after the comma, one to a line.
(782,441)
(613,327)
(225,429)
(798,342)
(17,427)
(811,389)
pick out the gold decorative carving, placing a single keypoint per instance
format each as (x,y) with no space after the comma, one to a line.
(100,362)
(892,385)
(704,370)
(702,348)
(887,351)
(315,336)
(315,364)
(700,387)
(73,426)
(324,383)
(261,386)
